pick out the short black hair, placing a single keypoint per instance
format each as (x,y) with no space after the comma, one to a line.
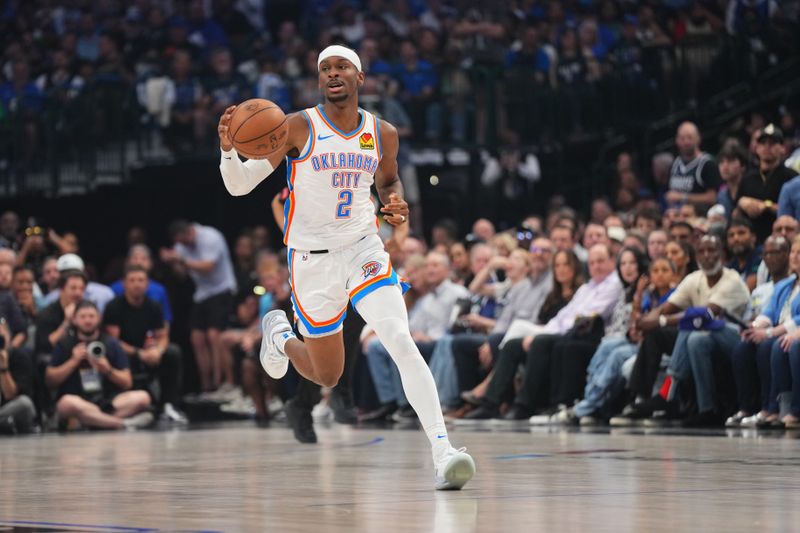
(134,268)
(177,227)
(681,224)
(67,275)
(733,151)
(83,304)
(741,222)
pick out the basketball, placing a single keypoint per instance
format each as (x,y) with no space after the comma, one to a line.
(258,128)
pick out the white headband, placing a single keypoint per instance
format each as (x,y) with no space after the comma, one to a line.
(340,51)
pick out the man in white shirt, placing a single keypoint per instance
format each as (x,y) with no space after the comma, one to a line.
(696,306)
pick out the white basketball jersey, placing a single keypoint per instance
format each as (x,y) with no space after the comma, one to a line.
(329,201)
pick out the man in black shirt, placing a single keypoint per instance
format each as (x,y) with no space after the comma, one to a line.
(137,322)
(745,256)
(694,176)
(54,320)
(760,189)
(16,387)
(91,373)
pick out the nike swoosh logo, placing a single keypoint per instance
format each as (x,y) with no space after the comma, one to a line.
(321,138)
(226,157)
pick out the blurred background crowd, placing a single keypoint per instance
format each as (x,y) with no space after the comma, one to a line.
(603,193)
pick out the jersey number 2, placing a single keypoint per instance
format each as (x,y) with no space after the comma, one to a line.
(345,201)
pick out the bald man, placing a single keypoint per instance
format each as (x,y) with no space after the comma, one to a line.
(694,176)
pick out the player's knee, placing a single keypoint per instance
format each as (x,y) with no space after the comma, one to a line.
(329,377)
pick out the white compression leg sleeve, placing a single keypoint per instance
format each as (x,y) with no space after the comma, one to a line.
(385,311)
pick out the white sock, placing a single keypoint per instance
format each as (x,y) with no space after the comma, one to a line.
(280,338)
(385,311)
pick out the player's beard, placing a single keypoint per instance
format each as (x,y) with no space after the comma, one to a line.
(337,97)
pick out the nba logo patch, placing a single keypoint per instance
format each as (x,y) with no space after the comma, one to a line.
(371,269)
(366,141)
(304,257)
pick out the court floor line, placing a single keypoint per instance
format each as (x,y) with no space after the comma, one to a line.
(561,495)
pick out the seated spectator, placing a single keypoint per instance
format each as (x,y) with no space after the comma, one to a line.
(656,244)
(732,166)
(22,288)
(565,363)
(6,273)
(760,189)
(48,282)
(789,198)
(745,256)
(681,232)
(96,293)
(598,296)
(694,307)
(55,320)
(139,255)
(17,412)
(605,379)
(188,122)
(459,259)
(646,221)
(519,299)
(428,322)
(93,379)
(682,256)
(751,357)
(12,316)
(138,324)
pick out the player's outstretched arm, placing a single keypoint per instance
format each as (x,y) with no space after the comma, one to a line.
(242,177)
(387,180)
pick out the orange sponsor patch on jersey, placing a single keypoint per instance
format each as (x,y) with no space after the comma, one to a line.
(366,141)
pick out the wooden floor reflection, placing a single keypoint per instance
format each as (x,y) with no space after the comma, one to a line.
(239,478)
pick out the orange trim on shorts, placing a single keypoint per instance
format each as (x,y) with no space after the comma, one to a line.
(367,283)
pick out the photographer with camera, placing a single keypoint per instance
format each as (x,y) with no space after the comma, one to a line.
(137,322)
(16,386)
(93,378)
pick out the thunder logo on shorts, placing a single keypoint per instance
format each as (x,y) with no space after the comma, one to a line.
(371,269)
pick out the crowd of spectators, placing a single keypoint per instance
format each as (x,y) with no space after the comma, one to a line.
(632,314)
(446,70)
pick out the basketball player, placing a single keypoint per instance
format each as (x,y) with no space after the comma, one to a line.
(334,153)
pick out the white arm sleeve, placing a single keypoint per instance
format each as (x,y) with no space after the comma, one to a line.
(241,178)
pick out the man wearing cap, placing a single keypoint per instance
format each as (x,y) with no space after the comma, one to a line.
(96,293)
(761,188)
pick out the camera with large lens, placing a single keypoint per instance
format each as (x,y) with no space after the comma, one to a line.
(96,349)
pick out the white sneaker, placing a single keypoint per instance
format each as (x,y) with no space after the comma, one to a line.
(454,469)
(140,421)
(540,420)
(174,415)
(275,362)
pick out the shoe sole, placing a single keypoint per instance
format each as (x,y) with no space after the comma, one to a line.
(264,352)
(458,472)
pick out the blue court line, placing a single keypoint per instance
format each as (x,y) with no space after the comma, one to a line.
(376,440)
(522,456)
(568,452)
(101,527)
